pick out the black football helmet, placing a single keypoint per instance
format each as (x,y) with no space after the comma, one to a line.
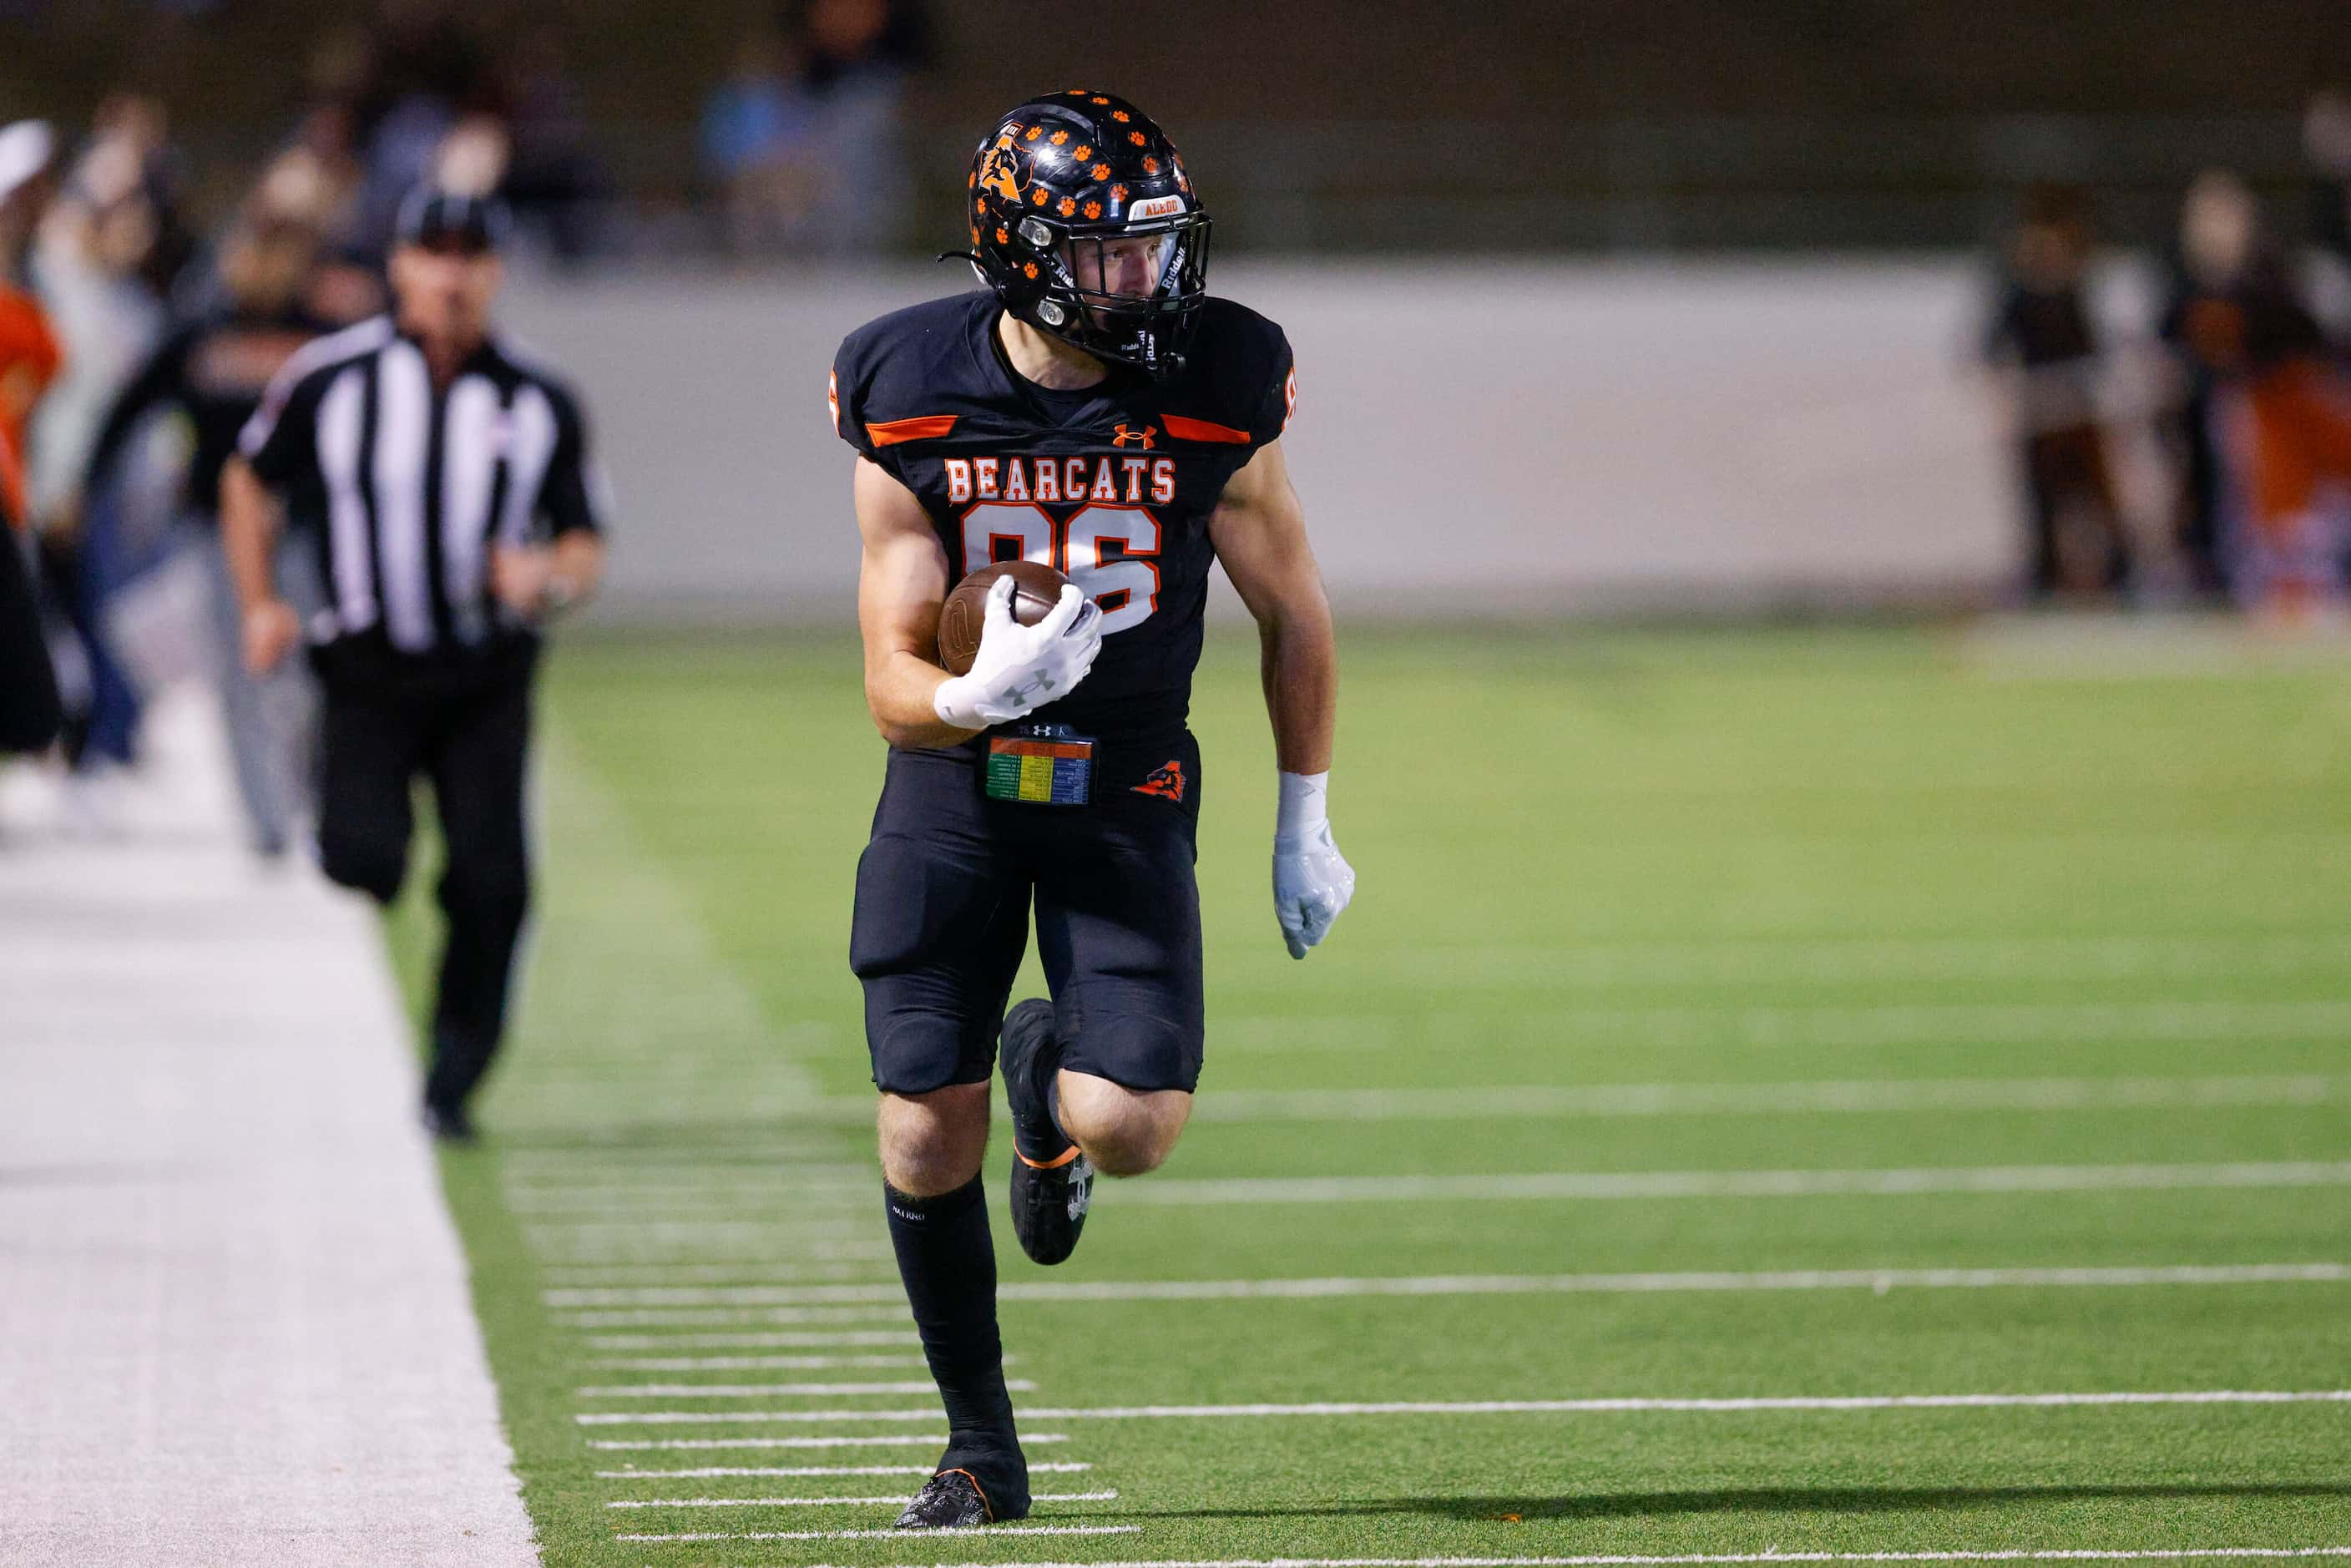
(1078,190)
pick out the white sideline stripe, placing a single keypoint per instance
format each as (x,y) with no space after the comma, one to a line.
(747,1341)
(752,1363)
(1028,1439)
(1548,1406)
(707,1471)
(1856,1095)
(1600,1185)
(826,1501)
(1879,1279)
(991,1531)
(763,1390)
(1693,1559)
(639,1317)
(618,1276)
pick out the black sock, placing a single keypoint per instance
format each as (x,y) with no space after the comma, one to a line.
(948,1264)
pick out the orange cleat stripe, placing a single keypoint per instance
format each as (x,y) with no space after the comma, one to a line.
(926,427)
(976,1487)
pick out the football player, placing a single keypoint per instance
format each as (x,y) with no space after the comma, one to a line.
(1096,411)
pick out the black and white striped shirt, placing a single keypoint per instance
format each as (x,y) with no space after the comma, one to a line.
(408,485)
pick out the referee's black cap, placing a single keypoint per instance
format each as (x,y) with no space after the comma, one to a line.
(435,218)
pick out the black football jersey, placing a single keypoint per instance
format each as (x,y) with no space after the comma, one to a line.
(1112,484)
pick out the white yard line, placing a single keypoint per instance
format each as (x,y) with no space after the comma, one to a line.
(745,1340)
(753,1363)
(992,1532)
(1878,1280)
(1603,1185)
(765,1390)
(1698,1560)
(603,1276)
(1027,1440)
(235,1326)
(1438,1104)
(2219,1022)
(660,1318)
(713,1471)
(829,1502)
(1537,1406)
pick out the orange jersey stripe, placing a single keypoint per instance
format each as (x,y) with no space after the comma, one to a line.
(1184,429)
(924,427)
(1038,748)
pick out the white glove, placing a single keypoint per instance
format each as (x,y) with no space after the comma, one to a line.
(1312,879)
(1020,669)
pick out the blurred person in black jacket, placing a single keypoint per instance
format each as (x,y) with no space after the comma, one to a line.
(2219,234)
(2043,330)
(213,370)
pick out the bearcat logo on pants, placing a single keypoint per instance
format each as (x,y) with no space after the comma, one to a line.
(1166,781)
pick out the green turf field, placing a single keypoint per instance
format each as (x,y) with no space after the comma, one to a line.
(1716,1009)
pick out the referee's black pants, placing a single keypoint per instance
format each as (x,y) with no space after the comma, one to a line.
(29,713)
(464,727)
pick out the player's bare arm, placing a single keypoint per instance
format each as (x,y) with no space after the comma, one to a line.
(901,581)
(1259,530)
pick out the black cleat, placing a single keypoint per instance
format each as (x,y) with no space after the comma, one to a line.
(948,1500)
(450,1124)
(1051,1181)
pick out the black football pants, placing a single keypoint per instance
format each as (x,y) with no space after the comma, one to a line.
(470,741)
(29,715)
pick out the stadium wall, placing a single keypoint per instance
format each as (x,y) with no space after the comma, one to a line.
(1719,437)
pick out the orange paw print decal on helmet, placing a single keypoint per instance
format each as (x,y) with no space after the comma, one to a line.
(1081,151)
(1151,165)
(1094,209)
(1099,171)
(1099,99)
(1059,137)
(1038,196)
(1118,114)
(1031,270)
(1069,206)
(1001,238)
(1118,192)
(1136,137)
(1034,133)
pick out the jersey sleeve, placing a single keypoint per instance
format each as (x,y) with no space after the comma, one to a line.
(1276,393)
(575,497)
(280,442)
(845,391)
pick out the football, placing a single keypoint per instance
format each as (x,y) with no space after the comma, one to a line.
(1037,589)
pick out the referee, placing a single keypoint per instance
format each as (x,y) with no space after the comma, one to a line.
(447,483)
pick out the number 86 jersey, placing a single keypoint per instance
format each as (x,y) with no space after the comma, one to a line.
(1112,484)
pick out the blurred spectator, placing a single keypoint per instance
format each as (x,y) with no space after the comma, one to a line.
(553,184)
(108,251)
(422,75)
(805,137)
(29,354)
(2042,330)
(2219,227)
(2327,148)
(213,371)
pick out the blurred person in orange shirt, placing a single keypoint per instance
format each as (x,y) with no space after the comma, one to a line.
(29,356)
(2280,417)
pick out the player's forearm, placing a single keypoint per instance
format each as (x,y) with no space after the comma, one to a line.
(248,523)
(1300,665)
(902,693)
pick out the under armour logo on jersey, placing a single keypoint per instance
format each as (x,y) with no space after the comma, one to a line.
(1127,432)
